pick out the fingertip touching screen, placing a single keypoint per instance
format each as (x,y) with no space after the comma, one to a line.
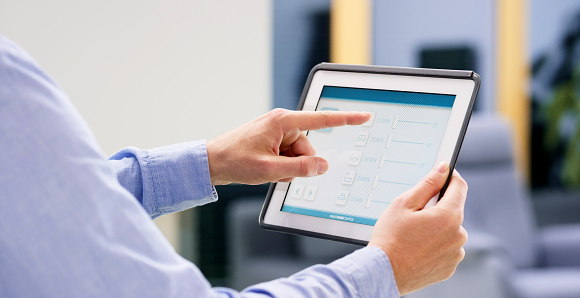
(372,163)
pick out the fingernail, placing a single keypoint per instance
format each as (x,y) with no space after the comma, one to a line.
(441,168)
(322,167)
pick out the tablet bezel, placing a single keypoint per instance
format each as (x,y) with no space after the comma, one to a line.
(463,84)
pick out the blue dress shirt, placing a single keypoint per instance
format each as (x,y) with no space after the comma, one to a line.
(74,224)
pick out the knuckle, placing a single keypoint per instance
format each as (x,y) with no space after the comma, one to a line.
(406,202)
(277,118)
(463,235)
(457,217)
(305,167)
(462,183)
(430,180)
(398,202)
(451,217)
(277,114)
(456,258)
(449,220)
(459,238)
(277,111)
(325,115)
(460,255)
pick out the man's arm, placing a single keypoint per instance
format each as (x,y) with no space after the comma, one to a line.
(424,245)
(70,229)
(270,148)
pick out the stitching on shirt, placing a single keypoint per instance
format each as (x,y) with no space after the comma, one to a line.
(149,160)
(212,194)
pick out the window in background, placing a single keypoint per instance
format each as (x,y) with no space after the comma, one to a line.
(453,56)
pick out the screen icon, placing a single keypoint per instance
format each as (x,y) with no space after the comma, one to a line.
(361,138)
(341,197)
(348,177)
(355,157)
(310,192)
(297,191)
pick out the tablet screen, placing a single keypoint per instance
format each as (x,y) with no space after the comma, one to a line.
(370,164)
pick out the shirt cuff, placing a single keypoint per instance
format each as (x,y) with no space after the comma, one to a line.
(180,177)
(370,271)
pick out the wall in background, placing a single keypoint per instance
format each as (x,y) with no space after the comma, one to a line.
(403,28)
(301,39)
(152,73)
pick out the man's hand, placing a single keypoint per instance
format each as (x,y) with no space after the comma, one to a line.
(424,245)
(273,147)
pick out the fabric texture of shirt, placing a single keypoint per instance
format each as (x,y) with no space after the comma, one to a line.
(76,224)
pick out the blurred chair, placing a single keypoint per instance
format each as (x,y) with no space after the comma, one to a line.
(257,255)
(507,254)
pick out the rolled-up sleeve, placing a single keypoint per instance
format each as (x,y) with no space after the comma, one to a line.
(166,179)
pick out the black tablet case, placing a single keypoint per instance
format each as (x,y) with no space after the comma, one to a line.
(401,71)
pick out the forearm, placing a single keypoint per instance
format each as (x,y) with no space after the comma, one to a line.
(364,273)
(165,179)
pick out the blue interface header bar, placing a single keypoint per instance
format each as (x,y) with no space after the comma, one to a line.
(388,96)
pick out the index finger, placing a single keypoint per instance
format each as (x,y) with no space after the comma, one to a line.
(310,120)
(456,193)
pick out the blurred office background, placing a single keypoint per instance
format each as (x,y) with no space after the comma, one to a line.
(151,73)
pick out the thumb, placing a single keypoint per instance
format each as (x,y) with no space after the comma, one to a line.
(301,166)
(417,197)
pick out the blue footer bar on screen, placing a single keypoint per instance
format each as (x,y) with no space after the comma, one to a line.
(335,216)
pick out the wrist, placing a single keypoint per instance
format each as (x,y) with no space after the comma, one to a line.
(395,267)
(215,161)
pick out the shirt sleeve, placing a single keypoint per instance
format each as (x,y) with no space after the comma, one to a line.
(365,273)
(71,229)
(166,179)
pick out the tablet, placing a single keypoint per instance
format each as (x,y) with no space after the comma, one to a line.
(419,118)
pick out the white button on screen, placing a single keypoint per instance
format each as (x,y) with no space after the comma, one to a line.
(396,121)
(297,191)
(310,192)
(389,139)
(361,138)
(369,200)
(348,177)
(341,197)
(376,181)
(355,157)
(383,160)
